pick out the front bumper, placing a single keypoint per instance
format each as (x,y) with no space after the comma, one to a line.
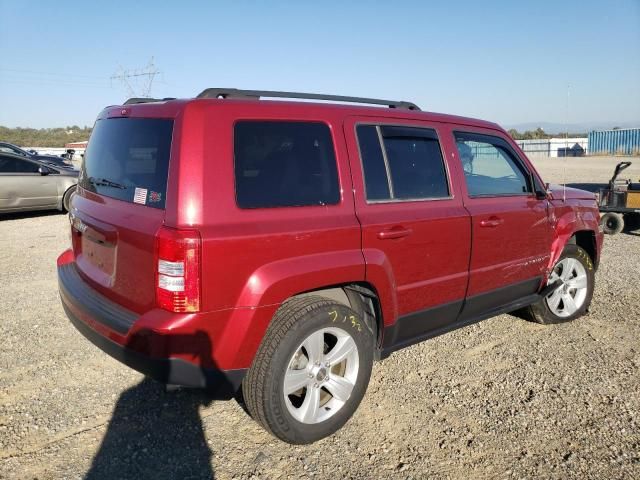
(154,353)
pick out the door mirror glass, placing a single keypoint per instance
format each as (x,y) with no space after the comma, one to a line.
(44,171)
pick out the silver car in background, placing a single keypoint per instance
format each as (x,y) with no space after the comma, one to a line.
(27,184)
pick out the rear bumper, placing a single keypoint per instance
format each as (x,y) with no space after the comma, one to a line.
(162,355)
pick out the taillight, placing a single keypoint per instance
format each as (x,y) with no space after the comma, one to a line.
(178,269)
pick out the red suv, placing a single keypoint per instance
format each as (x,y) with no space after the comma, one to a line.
(277,248)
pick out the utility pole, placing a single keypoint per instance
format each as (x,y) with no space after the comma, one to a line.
(138,82)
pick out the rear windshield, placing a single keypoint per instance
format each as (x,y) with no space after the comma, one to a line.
(128,159)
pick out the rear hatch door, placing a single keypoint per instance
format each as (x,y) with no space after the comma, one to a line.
(120,206)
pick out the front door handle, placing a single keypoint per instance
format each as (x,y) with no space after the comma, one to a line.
(491,222)
(395,232)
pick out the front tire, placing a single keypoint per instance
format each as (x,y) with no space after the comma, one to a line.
(311,370)
(575,270)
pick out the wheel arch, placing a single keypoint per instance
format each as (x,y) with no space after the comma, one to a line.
(360,296)
(577,225)
(586,239)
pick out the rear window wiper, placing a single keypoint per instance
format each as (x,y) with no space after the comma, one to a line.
(106,183)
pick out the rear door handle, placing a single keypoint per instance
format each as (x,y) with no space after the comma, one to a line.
(395,232)
(491,222)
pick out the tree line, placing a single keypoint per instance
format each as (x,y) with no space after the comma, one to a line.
(540,134)
(44,137)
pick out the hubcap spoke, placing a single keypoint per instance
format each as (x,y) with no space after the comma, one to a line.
(579,282)
(309,408)
(294,380)
(314,345)
(569,304)
(340,351)
(568,267)
(339,387)
(554,299)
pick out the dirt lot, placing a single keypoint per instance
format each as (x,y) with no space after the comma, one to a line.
(501,399)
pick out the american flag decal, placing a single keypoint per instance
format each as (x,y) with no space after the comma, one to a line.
(140,196)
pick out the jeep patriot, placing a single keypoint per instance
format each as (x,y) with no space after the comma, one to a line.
(273,249)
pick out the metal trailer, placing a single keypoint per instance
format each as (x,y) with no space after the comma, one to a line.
(620,202)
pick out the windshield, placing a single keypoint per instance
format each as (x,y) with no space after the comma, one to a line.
(128,159)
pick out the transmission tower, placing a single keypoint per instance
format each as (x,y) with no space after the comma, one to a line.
(138,82)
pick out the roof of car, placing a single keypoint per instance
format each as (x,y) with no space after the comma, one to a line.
(303,103)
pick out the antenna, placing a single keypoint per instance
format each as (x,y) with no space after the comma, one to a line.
(138,82)
(566,149)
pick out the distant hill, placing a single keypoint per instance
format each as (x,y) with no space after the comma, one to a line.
(44,137)
(553,128)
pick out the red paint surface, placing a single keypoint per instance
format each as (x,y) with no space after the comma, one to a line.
(253,260)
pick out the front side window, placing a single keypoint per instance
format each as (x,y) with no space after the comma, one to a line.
(490,166)
(402,163)
(284,164)
(15,165)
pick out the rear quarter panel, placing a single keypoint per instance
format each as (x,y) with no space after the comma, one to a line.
(258,257)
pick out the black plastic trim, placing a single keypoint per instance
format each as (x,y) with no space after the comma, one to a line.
(425,324)
(217,92)
(494,300)
(417,326)
(100,308)
(221,384)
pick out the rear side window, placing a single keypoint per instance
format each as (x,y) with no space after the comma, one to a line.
(284,164)
(128,159)
(407,165)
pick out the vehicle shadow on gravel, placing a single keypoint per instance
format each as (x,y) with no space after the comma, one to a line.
(154,434)
(21,215)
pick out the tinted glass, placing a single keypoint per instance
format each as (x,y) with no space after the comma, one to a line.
(490,167)
(128,159)
(15,165)
(416,164)
(284,164)
(375,173)
(7,149)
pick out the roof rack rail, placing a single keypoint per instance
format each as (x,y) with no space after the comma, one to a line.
(256,94)
(134,100)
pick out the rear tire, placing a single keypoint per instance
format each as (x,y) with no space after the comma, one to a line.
(612,223)
(311,370)
(571,300)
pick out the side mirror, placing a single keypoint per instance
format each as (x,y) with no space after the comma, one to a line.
(540,195)
(541,191)
(44,171)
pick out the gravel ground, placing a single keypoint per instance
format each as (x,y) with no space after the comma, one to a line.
(501,399)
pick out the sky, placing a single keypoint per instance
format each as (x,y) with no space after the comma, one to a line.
(511,62)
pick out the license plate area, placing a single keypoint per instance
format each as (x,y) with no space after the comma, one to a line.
(99,254)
